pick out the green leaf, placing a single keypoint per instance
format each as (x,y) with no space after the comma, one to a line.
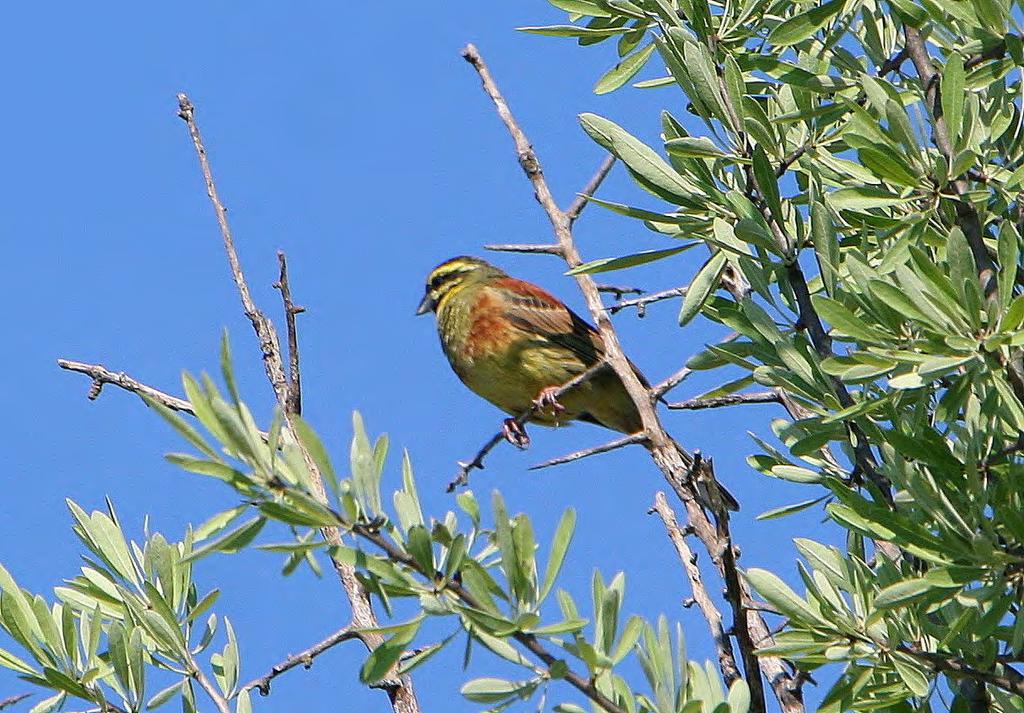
(625,70)
(232,542)
(846,322)
(778,594)
(903,592)
(575,31)
(383,658)
(607,264)
(788,509)
(952,91)
(799,27)
(767,184)
(559,548)
(496,690)
(826,245)
(862,197)
(1009,253)
(693,147)
(638,157)
(704,283)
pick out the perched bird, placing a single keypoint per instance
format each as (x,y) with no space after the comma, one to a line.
(514,344)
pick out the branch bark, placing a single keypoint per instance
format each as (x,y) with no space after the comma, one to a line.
(303,658)
(726,658)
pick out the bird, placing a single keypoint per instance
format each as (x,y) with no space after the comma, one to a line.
(515,344)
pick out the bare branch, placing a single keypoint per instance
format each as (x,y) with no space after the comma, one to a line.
(726,658)
(261,325)
(294,400)
(477,463)
(619,291)
(580,202)
(603,448)
(757,397)
(11,700)
(671,382)
(100,376)
(403,699)
(303,658)
(542,249)
(641,302)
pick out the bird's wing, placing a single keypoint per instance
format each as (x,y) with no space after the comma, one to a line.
(541,314)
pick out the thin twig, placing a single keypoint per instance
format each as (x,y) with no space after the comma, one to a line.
(290,310)
(401,695)
(641,302)
(757,397)
(674,380)
(581,201)
(603,448)
(726,657)
(260,323)
(477,463)
(303,658)
(100,375)
(11,700)
(620,291)
(511,248)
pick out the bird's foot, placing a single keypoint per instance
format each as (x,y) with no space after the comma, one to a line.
(515,433)
(548,399)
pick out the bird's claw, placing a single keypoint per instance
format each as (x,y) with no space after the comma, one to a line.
(515,433)
(548,399)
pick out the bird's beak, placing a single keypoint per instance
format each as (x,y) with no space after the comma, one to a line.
(426,305)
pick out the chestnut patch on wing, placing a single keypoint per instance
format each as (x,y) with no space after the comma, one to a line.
(489,329)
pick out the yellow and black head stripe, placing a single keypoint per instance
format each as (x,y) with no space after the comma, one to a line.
(449,275)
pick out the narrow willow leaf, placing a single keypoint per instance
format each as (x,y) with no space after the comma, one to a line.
(952,91)
(625,70)
(779,595)
(767,184)
(607,264)
(799,27)
(559,548)
(826,245)
(638,157)
(704,283)
(1009,252)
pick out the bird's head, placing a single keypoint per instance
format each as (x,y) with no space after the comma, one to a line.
(452,276)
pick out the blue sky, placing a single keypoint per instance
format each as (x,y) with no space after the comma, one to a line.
(358,141)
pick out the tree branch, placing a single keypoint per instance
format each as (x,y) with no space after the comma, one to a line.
(512,248)
(726,658)
(674,462)
(641,302)
(595,450)
(403,699)
(290,310)
(100,376)
(757,397)
(11,700)
(211,690)
(303,658)
(581,200)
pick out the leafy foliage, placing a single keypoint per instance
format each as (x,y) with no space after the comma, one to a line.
(902,355)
